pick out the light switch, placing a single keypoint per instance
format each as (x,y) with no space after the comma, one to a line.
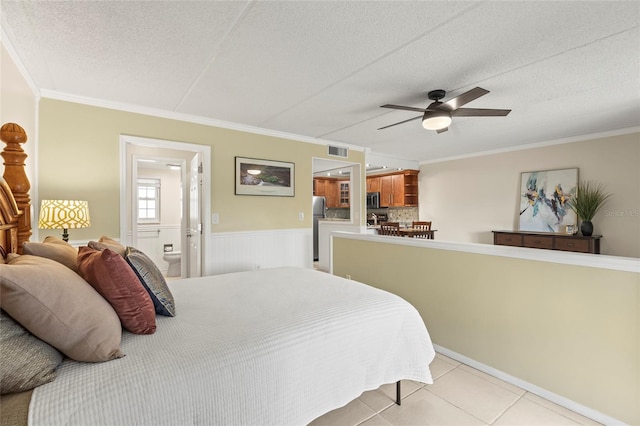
(215,218)
(301,216)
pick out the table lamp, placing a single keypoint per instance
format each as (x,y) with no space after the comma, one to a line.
(64,214)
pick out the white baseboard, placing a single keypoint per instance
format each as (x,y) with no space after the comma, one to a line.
(534,389)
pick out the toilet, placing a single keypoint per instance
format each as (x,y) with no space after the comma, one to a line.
(173,259)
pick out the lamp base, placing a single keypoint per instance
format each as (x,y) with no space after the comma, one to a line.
(65,235)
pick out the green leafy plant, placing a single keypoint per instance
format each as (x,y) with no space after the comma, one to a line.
(589,199)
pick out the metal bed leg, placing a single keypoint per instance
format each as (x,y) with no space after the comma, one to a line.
(398,400)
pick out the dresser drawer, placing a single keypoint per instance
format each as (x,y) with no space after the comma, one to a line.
(548,241)
(508,239)
(569,244)
(537,241)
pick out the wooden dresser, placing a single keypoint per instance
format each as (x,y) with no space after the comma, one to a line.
(542,240)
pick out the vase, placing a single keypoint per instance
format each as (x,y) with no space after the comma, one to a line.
(586,228)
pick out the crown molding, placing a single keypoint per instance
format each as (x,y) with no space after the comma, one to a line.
(17,60)
(172,115)
(542,144)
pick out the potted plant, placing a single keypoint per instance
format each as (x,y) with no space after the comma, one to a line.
(589,199)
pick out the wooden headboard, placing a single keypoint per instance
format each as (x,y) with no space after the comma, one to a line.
(15,204)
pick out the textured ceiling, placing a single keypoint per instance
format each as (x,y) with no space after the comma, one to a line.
(322,69)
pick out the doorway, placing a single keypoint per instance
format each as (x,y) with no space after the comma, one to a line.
(339,175)
(167,225)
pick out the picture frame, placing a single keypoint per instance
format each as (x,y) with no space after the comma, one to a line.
(544,198)
(256,176)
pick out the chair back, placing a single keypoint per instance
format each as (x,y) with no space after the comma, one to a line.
(423,228)
(421,225)
(390,228)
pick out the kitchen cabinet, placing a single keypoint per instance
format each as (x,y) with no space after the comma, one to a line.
(343,193)
(398,189)
(411,189)
(319,187)
(373,184)
(390,191)
(576,243)
(331,194)
(337,192)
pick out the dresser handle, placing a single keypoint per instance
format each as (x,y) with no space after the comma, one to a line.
(571,244)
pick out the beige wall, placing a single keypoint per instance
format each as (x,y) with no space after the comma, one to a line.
(466,199)
(572,330)
(79,157)
(18,104)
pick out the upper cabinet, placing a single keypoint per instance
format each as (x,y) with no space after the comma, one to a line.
(373,184)
(343,193)
(336,191)
(398,189)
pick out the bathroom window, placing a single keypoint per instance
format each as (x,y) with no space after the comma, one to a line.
(148,200)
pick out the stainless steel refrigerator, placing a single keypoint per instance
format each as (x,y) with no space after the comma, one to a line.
(319,212)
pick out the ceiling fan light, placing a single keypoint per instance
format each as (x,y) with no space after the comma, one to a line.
(436,120)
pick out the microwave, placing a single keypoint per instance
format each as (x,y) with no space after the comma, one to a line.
(373,200)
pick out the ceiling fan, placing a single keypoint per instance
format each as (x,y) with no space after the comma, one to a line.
(437,116)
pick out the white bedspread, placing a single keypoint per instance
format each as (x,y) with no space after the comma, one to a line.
(269,347)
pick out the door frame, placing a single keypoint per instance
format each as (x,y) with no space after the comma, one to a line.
(127,172)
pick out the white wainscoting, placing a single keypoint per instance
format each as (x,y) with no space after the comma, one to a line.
(247,250)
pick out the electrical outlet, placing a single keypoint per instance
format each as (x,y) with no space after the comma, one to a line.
(215,219)
(301,216)
(348,276)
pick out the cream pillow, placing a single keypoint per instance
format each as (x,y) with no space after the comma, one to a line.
(55,249)
(112,244)
(59,307)
(116,248)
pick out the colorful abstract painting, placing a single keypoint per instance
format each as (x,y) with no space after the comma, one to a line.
(543,200)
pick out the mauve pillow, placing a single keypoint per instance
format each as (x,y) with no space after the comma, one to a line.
(114,279)
(58,306)
(55,249)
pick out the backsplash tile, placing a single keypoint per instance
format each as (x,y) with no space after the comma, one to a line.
(404,215)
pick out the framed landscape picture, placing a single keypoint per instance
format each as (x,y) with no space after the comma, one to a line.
(264,177)
(543,200)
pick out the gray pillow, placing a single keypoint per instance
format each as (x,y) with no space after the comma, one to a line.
(27,361)
(152,280)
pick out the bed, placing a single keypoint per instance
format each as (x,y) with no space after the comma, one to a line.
(276,346)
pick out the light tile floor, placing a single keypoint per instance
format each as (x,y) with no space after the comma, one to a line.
(460,395)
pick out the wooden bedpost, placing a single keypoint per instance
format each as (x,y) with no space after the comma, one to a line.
(13,135)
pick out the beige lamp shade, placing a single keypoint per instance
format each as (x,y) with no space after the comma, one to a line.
(64,214)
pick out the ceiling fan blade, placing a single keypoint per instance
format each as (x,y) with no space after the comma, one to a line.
(466,97)
(480,112)
(406,108)
(442,130)
(400,122)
